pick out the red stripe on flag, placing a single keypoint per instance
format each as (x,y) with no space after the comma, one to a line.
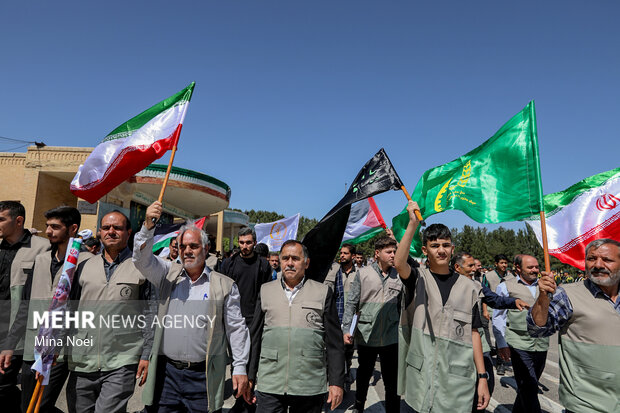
(72,259)
(576,254)
(378,219)
(128,163)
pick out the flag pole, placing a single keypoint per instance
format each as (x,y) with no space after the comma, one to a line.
(543,228)
(35,400)
(418,215)
(174,150)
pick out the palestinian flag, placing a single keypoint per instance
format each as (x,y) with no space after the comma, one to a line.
(164,234)
(365,221)
(132,146)
(586,211)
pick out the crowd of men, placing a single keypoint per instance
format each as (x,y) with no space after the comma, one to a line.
(289,340)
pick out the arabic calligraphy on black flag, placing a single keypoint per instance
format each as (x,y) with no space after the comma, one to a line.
(376,176)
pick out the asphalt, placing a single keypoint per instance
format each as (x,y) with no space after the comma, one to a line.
(501,400)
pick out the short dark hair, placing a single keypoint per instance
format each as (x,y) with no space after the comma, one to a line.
(295,242)
(434,232)
(518,260)
(15,208)
(500,257)
(262,250)
(458,258)
(116,211)
(92,241)
(274,253)
(384,242)
(247,231)
(350,247)
(66,214)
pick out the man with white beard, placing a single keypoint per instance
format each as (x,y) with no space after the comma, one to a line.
(587,315)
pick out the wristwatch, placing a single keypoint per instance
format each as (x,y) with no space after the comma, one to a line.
(484,375)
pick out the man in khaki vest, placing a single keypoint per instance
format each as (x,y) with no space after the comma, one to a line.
(62,224)
(339,278)
(587,316)
(440,351)
(528,354)
(104,372)
(297,348)
(18,250)
(189,357)
(375,294)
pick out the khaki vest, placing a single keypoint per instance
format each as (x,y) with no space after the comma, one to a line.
(41,294)
(112,347)
(216,359)
(485,345)
(379,304)
(21,268)
(494,279)
(347,280)
(516,328)
(293,358)
(590,354)
(211,261)
(436,370)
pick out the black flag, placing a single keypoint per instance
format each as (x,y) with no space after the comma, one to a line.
(323,241)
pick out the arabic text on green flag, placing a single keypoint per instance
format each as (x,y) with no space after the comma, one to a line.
(498,181)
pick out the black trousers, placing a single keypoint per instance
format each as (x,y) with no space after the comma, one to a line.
(527,367)
(282,403)
(58,375)
(388,357)
(10,395)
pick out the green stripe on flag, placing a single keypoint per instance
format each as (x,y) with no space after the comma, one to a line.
(127,128)
(558,200)
(371,233)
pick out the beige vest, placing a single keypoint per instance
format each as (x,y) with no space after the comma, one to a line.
(590,353)
(494,279)
(41,294)
(112,347)
(378,320)
(516,329)
(436,360)
(220,287)
(293,358)
(347,280)
(21,268)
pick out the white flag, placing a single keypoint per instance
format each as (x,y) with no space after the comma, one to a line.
(274,234)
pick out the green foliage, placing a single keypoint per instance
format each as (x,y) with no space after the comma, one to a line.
(484,245)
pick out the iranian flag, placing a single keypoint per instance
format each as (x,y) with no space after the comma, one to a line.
(132,146)
(365,221)
(586,211)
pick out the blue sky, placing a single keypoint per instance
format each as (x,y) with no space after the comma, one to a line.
(293,97)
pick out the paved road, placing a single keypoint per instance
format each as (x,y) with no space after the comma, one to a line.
(501,401)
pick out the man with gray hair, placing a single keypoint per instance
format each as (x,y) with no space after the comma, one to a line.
(297,347)
(587,316)
(189,358)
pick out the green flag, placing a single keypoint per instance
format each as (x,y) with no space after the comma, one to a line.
(498,181)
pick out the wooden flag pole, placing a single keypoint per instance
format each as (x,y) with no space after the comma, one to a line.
(417,211)
(36,399)
(543,228)
(163,186)
(38,406)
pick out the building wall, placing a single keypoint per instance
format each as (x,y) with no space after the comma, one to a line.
(12,174)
